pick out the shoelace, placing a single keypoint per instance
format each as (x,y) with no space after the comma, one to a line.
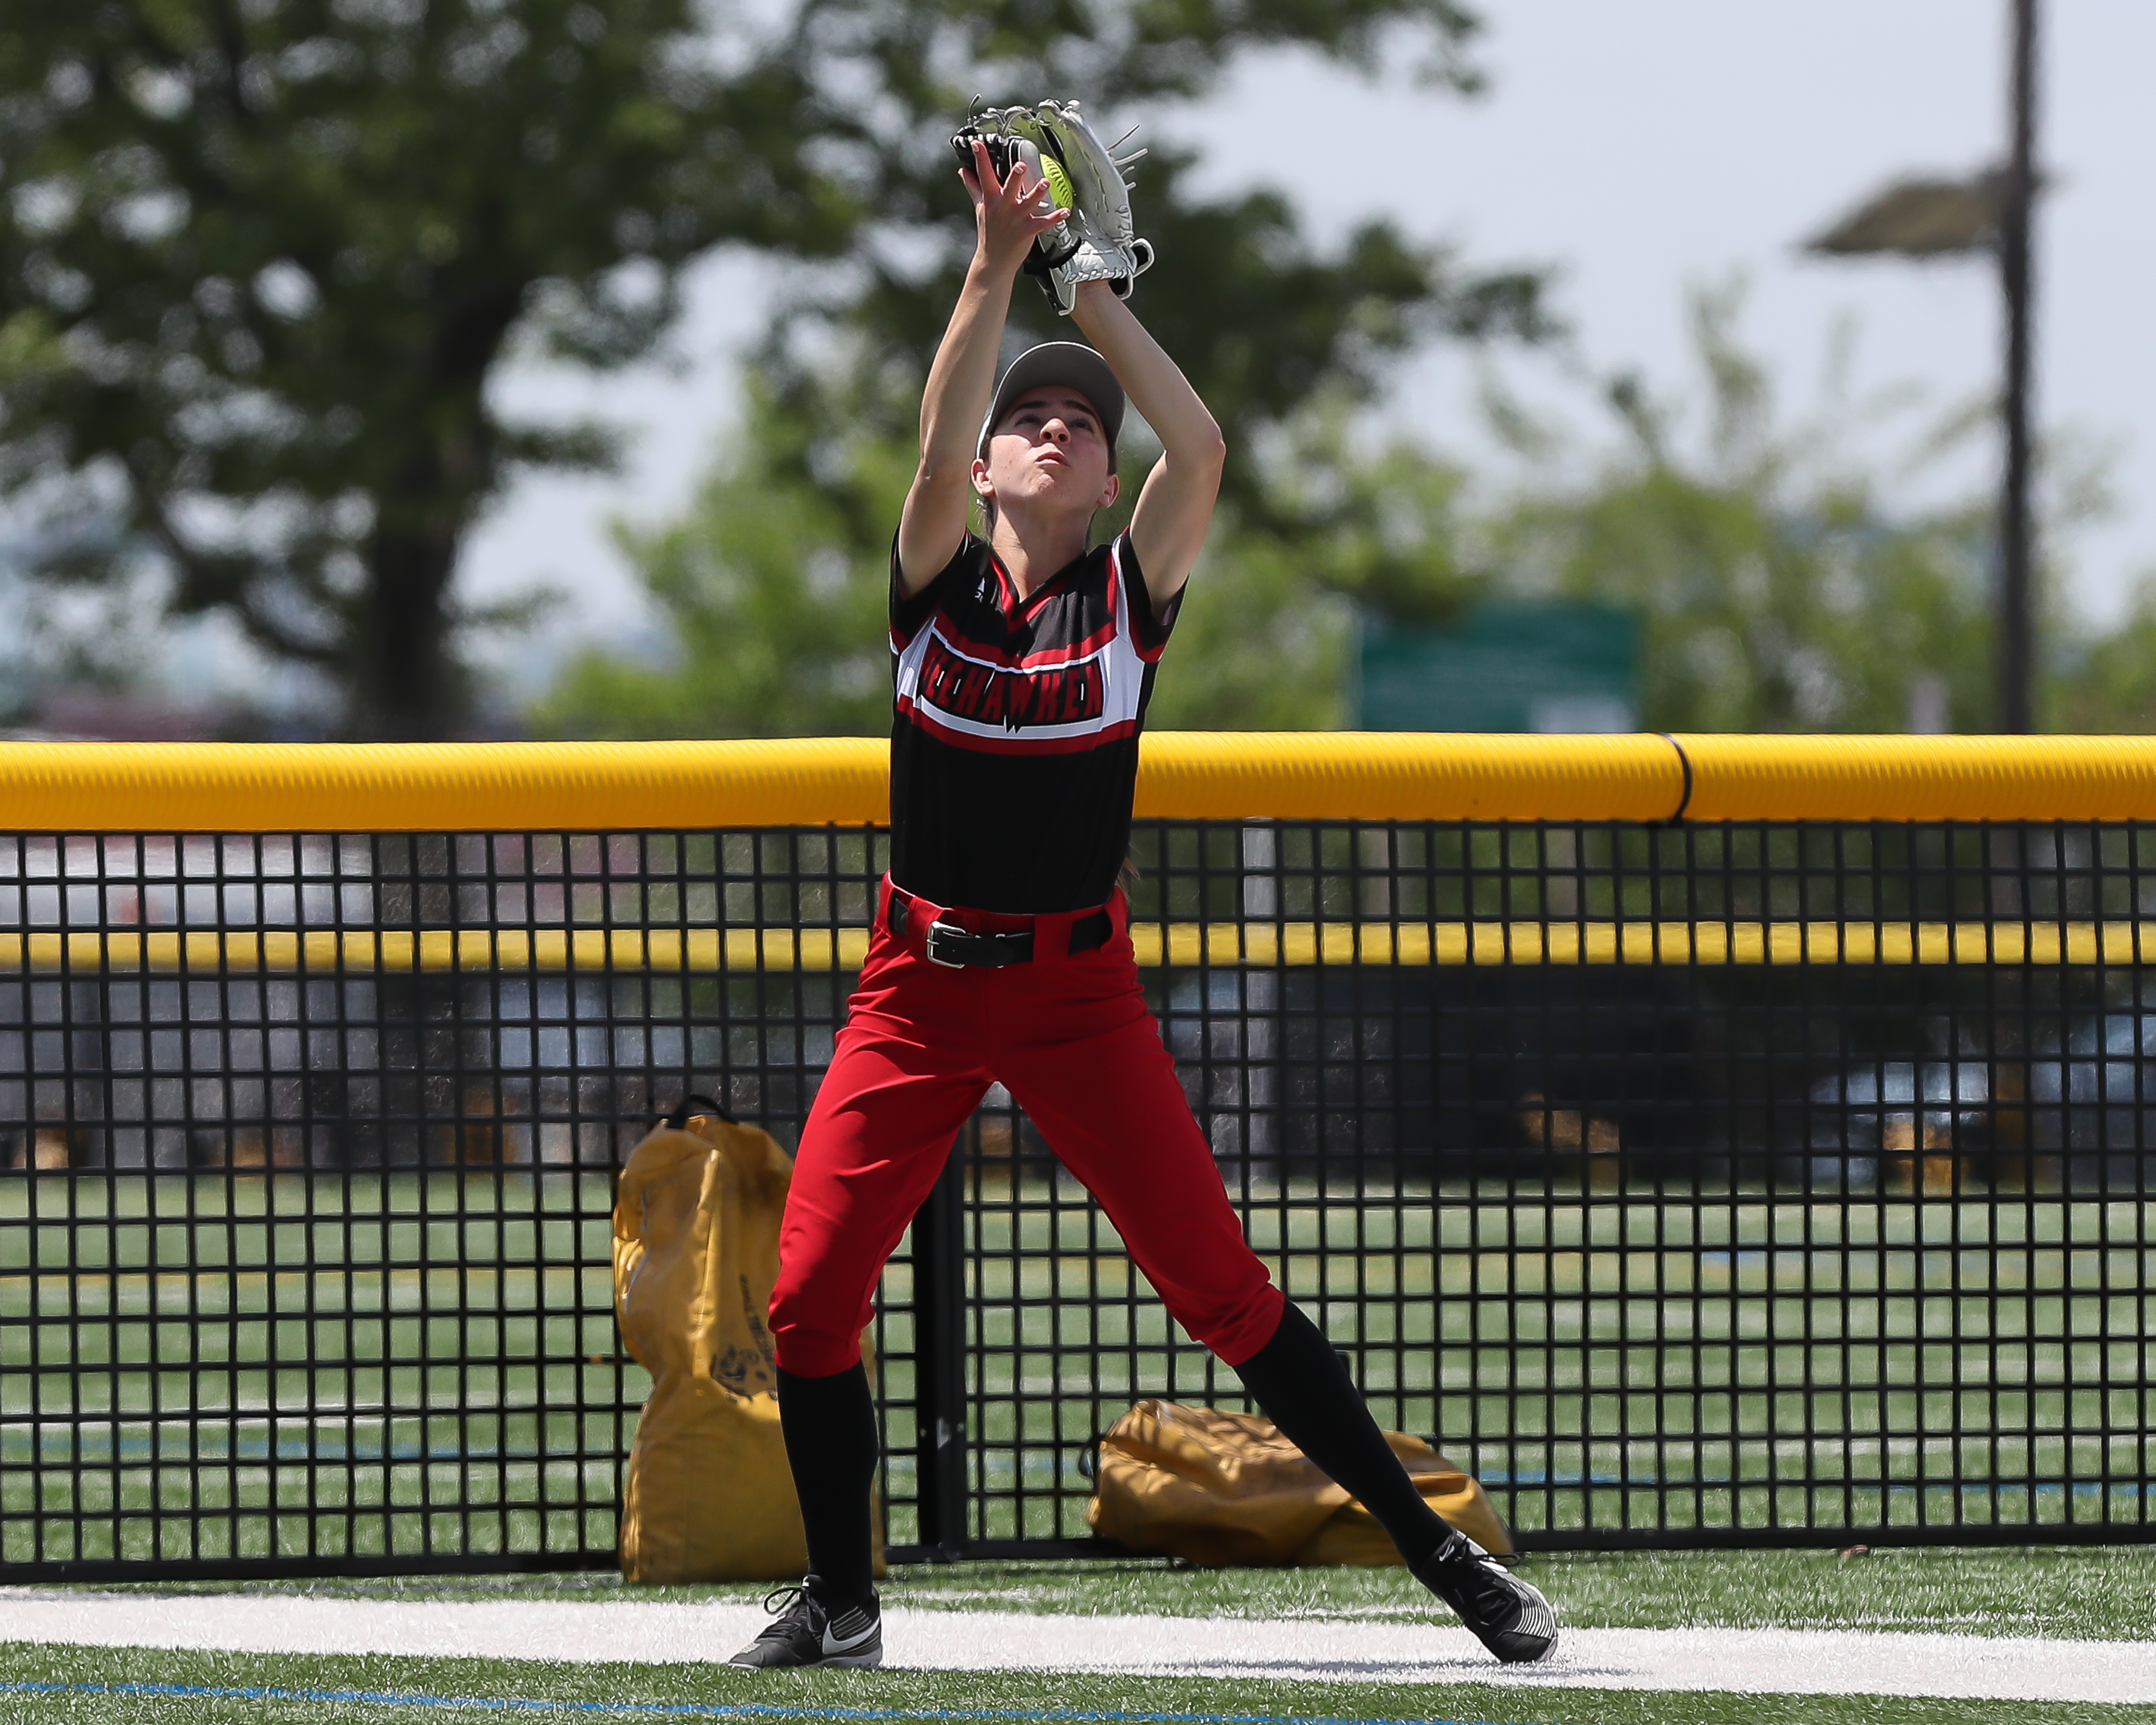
(780,1601)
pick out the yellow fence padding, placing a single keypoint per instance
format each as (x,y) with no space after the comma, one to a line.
(1223,1489)
(1335,775)
(441,787)
(709,1495)
(1920,777)
(1373,775)
(2022,941)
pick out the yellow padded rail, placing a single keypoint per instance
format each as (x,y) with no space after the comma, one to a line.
(352,951)
(1347,775)
(1921,777)
(417,787)
(588,787)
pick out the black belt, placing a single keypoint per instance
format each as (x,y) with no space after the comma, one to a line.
(948,944)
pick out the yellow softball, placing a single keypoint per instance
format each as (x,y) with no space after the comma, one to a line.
(1059,182)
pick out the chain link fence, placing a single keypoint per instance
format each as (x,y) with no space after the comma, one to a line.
(1719,1183)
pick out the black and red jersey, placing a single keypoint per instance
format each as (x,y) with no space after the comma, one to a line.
(1015,740)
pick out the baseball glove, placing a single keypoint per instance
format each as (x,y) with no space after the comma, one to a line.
(1056,143)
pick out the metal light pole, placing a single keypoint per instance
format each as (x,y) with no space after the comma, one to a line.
(2017,620)
(1990,213)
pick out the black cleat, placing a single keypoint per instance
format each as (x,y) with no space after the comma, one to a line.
(1510,1618)
(807,1632)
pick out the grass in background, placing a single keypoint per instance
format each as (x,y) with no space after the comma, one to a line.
(1035,1693)
(285,1315)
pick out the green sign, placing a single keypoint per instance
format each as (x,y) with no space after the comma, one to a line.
(1502,667)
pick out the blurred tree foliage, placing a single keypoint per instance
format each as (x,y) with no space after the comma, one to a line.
(1784,580)
(773,587)
(1782,584)
(1265,635)
(259,261)
(1263,321)
(1778,588)
(2105,680)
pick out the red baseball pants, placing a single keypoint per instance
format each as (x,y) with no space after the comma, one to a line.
(1070,1036)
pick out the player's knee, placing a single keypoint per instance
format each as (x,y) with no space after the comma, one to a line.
(807,1348)
(1237,1328)
(808,1353)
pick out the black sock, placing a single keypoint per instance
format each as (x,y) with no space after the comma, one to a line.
(830,1427)
(1299,1381)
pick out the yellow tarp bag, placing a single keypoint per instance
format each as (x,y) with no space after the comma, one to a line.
(709,1495)
(1225,1490)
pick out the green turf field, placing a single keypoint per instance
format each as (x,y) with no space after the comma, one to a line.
(2109,1594)
(218,1365)
(976,1698)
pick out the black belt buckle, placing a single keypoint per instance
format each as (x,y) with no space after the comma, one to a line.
(946,945)
(956,948)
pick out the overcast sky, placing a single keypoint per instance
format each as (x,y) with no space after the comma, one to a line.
(1643,149)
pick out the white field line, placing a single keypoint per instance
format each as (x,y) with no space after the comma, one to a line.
(1303,1650)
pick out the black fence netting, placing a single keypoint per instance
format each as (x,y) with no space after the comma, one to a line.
(1691,1185)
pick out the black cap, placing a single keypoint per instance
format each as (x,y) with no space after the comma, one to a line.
(1068,362)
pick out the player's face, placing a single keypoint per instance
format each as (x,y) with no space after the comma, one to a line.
(1050,447)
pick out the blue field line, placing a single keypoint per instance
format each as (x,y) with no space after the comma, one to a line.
(1527,1476)
(675,1710)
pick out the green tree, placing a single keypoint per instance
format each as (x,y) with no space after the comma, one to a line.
(1266,327)
(1780,583)
(1263,321)
(770,588)
(1264,640)
(772,595)
(1778,588)
(258,262)
(1284,340)
(2104,681)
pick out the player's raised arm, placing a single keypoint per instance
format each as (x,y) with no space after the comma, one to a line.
(1008,216)
(1168,529)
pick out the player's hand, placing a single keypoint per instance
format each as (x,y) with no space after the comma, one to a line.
(1007,215)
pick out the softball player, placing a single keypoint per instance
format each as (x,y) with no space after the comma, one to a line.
(1001,951)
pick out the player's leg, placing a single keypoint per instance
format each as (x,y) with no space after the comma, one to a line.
(1113,1108)
(1106,1095)
(899,1086)
(1298,1380)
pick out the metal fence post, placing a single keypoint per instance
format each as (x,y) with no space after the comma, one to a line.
(939,1294)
